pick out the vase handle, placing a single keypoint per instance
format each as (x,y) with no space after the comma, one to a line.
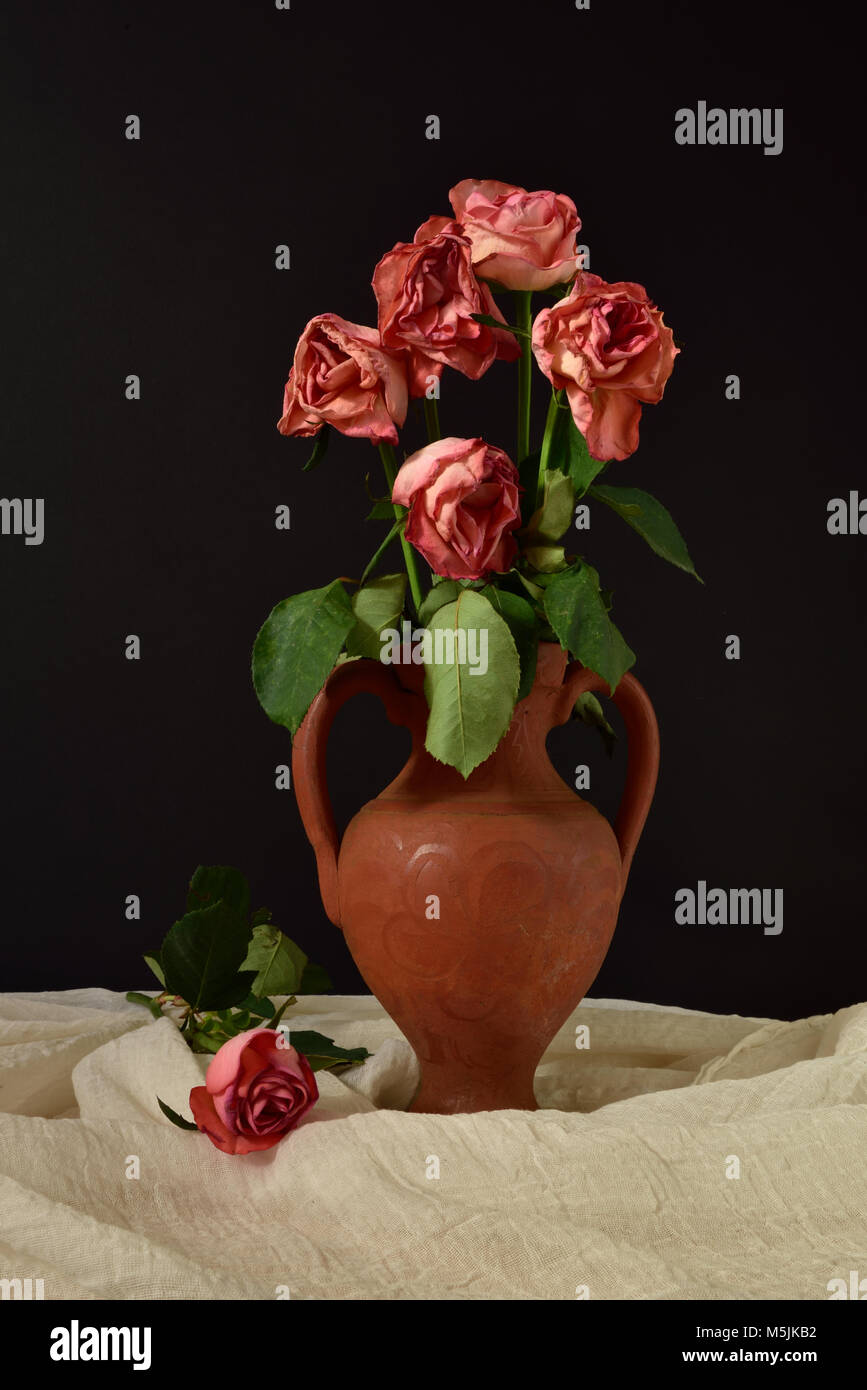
(309,774)
(642,734)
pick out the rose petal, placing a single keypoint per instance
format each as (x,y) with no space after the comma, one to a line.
(209,1122)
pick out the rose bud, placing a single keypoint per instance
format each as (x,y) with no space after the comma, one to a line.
(255,1091)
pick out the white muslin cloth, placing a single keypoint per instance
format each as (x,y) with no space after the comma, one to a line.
(679,1155)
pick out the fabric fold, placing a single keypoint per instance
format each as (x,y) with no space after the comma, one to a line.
(675,1155)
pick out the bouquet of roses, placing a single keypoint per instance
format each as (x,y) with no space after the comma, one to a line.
(491,528)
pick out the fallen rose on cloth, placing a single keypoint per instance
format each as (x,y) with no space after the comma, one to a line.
(256,1090)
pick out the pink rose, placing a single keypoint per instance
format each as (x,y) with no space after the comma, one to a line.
(463,504)
(524,240)
(343,376)
(255,1091)
(427,294)
(607,347)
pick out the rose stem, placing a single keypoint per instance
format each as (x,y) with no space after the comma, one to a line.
(524,301)
(386,453)
(550,421)
(432,420)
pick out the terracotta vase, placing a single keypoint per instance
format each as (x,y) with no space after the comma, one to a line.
(478,912)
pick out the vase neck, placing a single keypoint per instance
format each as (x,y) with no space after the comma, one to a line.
(518,768)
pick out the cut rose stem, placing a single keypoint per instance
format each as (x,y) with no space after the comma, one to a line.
(550,421)
(432,420)
(524,304)
(386,453)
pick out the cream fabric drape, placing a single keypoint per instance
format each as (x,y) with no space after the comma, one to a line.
(622,1186)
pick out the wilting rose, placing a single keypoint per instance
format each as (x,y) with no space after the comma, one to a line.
(427,294)
(463,504)
(608,348)
(255,1091)
(524,240)
(343,376)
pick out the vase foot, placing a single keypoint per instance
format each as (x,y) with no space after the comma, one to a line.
(462,1094)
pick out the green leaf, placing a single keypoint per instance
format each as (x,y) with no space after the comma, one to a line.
(175,1118)
(287,1004)
(445,592)
(568,452)
(383,510)
(258,1007)
(315,980)
(651,520)
(322,1053)
(296,649)
(511,583)
(547,559)
(219,884)
(554,516)
(528,474)
(202,955)
(518,614)
(149,1003)
(279,963)
(396,529)
(200,1041)
(469,714)
(378,605)
(491,322)
(535,591)
(323,438)
(543,578)
(577,614)
(153,962)
(588,709)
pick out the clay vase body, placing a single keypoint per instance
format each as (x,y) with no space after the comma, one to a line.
(478,911)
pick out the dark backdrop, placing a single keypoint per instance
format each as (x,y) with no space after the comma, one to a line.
(156,257)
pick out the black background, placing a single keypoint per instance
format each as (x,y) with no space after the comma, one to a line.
(307,127)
